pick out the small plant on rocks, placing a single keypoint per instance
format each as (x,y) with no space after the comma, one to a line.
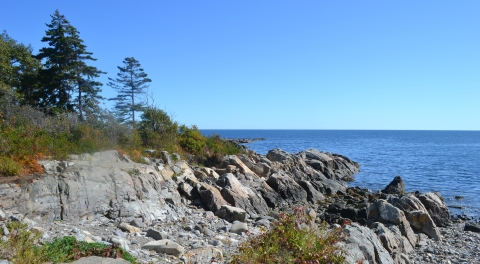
(22,247)
(294,238)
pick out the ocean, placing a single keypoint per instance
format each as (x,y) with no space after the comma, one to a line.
(440,161)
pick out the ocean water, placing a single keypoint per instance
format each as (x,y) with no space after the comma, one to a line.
(442,161)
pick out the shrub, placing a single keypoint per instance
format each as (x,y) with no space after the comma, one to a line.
(22,247)
(294,238)
(157,129)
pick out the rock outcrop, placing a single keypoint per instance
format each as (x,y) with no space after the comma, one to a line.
(197,213)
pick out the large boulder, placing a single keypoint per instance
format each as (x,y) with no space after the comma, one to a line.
(416,214)
(383,212)
(241,196)
(421,221)
(280,156)
(392,240)
(165,246)
(287,187)
(212,197)
(367,243)
(436,208)
(238,163)
(397,186)
(313,195)
(231,213)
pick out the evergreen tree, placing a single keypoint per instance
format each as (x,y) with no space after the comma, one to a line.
(130,83)
(66,70)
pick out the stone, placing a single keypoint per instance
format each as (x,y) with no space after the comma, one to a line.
(3,215)
(128,228)
(280,156)
(436,208)
(212,197)
(157,235)
(368,244)
(287,187)
(397,186)
(119,242)
(232,160)
(238,227)
(421,221)
(472,227)
(165,246)
(241,196)
(231,213)
(137,222)
(386,213)
(95,259)
(262,169)
(204,255)
(313,195)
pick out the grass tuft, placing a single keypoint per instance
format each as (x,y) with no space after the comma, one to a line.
(294,238)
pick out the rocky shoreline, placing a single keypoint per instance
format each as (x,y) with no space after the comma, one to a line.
(168,211)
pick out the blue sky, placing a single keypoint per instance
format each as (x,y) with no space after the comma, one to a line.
(284,64)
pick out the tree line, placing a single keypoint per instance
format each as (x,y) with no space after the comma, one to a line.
(60,78)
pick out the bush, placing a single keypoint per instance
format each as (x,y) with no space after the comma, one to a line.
(295,238)
(157,130)
(22,247)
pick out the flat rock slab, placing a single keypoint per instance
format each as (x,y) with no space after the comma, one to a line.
(472,227)
(100,260)
(166,246)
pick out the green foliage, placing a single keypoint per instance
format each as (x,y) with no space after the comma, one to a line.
(157,130)
(18,70)
(295,238)
(27,135)
(9,167)
(192,141)
(68,248)
(130,84)
(65,69)
(22,247)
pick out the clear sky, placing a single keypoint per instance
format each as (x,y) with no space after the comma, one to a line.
(284,64)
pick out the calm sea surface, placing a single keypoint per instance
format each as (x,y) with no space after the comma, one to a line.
(443,161)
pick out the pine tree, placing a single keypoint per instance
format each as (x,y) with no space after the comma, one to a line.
(66,70)
(130,83)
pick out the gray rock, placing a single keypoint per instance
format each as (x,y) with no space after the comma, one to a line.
(97,260)
(241,196)
(165,246)
(287,187)
(119,242)
(204,255)
(397,186)
(313,195)
(137,222)
(212,197)
(157,235)
(368,243)
(421,221)
(436,208)
(3,215)
(472,227)
(384,212)
(233,160)
(238,228)
(231,213)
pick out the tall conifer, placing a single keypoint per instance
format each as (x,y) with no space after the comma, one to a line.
(66,71)
(130,83)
